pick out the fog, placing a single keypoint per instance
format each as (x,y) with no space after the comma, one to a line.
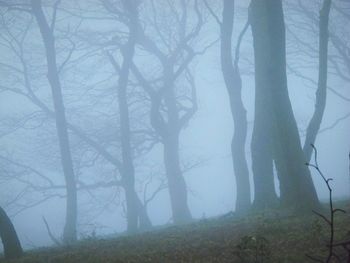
(91,49)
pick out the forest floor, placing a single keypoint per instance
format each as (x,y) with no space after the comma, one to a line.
(273,236)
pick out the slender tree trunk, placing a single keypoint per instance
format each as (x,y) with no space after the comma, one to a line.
(144,220)
(167,123)
(296,186)
(70,231)
(234,87)
(135,209)
(9,238)
(128,173)
(176,182)
(321,93)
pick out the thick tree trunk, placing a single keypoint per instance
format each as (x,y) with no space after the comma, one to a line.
(296,186)
(9,238)
(234,87)
(321,93)
(131,207)
(262,165)
(70,231)
(261,148)
(261,145)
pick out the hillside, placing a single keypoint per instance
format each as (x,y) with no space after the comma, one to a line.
(271,237)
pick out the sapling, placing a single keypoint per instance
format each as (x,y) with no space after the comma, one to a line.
(329,220)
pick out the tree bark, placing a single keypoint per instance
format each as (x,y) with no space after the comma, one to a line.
(70,229)
(169,131)
(296,186)
(262,162)
(144,220)
(321,93)
(166,120)
(233,84)
(9,238)
(128,170)
(136,214)
(176,182)
(261,145)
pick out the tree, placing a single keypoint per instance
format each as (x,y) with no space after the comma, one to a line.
(331,55)
(70,231)
(280,135)
(169,114)
(233,82)
(321,93)
(261,144)
(128,170)
(8,235)
(89,139)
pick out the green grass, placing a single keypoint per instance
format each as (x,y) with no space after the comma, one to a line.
(282,237)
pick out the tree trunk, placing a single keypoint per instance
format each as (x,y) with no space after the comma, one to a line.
(176,182)
(261,148)
(296,186)
(70,229)
(128,173)
(9,238)
(321,93)
(261,145)
(144,220)
(234,87)
(134,206)
(262,165)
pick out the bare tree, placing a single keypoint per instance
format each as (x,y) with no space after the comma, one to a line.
(87,140)
(233,82)
(262,140)
(321,94)
(296,186)
(8,235)
(46,30)
(168,114)
(128,170)
(326,28)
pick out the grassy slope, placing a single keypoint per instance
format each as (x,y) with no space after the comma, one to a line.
(214,240)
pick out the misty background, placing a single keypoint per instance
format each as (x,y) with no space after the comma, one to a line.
(28,140)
